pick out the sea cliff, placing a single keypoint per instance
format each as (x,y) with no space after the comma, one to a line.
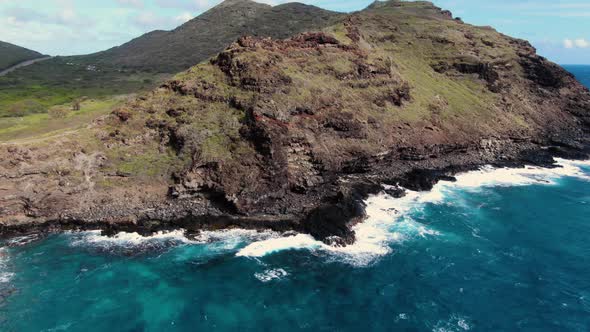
(293,134)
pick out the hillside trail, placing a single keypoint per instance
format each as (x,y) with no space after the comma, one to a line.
(23,64)
(30,140)
(53,135)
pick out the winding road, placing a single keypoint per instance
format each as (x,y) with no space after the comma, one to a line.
(23,64)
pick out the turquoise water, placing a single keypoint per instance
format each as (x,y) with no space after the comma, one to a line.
(479,255)
(500,250)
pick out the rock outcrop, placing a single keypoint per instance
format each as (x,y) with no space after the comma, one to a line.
(293,134)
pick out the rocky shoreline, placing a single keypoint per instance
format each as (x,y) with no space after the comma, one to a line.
(332,221)
(293,135)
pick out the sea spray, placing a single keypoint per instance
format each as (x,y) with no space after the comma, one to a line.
(373,236)
(223,240)
(527,266)
(387,222)
(270,275)
(388,218)
(5,274)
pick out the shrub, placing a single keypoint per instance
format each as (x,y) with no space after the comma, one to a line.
(25,107)
(59,112)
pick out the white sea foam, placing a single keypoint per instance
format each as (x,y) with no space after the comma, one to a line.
(372,236)
(388,218)
(270,275)
(5,275)
(233,235)
(222,240)
(124,239)
(22,240)
(265,247)
(454,323)
(233,238)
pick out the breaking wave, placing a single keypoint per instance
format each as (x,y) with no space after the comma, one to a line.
(385,224)
(134,243)
(389,220)
(5,275)
(270,275)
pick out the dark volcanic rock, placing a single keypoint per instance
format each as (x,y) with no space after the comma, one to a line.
(294,134)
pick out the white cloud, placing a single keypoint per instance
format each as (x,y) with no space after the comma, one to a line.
(184,17)
(67,15)
(576,43)
(148,20)
(202,4)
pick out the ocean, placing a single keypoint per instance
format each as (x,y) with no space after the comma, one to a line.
(498,250)
(582,73)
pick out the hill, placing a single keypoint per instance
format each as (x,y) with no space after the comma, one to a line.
(142,63)
(11,55)
(292,134)
(209,33)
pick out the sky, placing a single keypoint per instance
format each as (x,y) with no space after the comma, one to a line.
(559,29)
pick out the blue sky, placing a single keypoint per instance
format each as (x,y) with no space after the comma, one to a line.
(559,29)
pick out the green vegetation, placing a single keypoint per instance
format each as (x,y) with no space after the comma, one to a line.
(63,119)
(148,164)
(210,33)
(268,122)
(145,62)
(36,88)
(11,55)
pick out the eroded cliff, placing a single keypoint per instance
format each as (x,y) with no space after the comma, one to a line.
(293,134)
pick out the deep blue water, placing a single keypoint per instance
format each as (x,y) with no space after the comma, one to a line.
(498,251)
(582,73)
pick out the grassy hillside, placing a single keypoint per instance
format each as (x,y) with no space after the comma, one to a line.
(208,34)
(146,61)
(399,74)
(288,129)
(35,88)
(58,120)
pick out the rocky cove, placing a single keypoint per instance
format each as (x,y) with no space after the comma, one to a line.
(293,135)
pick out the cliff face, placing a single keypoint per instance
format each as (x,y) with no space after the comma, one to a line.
(292,134)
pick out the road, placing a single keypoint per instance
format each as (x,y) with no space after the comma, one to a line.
(23,64)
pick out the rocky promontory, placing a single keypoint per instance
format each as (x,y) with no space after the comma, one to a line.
(293,134)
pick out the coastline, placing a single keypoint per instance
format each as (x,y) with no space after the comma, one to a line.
(368,227)
(429,256)
(223,145)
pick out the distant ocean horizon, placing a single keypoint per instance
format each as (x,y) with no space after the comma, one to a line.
(582,73)
(497,250)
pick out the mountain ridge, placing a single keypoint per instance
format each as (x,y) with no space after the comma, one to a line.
(11,55)
(140,64)
(208,33)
